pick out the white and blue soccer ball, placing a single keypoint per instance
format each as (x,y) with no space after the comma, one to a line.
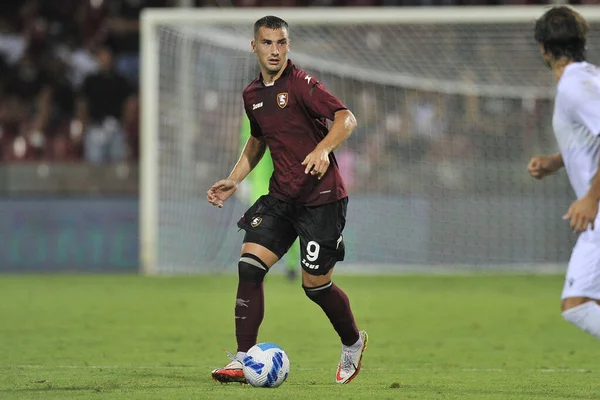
(266,365)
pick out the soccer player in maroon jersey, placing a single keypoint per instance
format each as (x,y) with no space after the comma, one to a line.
(288,111)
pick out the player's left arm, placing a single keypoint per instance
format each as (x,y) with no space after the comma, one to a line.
(321,103)
(317,161)
(586,111)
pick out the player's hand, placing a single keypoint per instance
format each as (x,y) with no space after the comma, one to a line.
(221,191)
(316,162)
(582,213)
(542,166)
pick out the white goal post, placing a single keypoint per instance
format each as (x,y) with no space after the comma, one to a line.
(470,72)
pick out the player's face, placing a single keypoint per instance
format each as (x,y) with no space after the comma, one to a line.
(272,47)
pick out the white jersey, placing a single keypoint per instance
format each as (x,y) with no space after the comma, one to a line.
(576,123)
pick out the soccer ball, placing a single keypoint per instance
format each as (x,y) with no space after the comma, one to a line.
(266,365)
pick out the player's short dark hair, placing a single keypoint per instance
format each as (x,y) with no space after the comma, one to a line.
(563,33)
(270,22)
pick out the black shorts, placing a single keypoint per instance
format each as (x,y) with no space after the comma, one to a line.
(275,224)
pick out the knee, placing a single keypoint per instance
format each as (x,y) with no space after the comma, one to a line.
(572,302)
(251,269)
(315,292)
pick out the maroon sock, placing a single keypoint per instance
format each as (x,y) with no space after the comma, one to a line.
(336,306)
(250,301)
(249,312)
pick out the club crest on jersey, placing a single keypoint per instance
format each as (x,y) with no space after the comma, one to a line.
(282,99)
(255,222)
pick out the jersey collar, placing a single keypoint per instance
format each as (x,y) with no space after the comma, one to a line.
(286,72)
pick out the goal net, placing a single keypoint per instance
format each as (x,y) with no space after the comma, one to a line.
(451,103)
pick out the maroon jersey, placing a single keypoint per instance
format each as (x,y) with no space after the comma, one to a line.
(292,116)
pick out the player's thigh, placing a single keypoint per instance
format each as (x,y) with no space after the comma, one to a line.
(267,224)
(582,279)
(321,242)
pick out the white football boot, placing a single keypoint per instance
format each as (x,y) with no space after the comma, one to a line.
(349,366)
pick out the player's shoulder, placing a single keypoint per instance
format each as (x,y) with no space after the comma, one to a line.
(297,72)
(250,88)
(577,75)
(299,75)
(578,79)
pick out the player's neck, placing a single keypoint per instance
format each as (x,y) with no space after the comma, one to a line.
(269,79)
(558,67)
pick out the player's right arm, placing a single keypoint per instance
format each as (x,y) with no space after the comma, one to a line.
(251,155)
(542,166)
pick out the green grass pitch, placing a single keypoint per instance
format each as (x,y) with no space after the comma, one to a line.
(431,337)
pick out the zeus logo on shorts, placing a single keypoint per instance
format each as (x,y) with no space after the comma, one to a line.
(309,265)
(255,222)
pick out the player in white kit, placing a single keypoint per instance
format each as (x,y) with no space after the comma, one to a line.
(561,33)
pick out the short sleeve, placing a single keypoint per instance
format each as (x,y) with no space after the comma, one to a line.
(254,127)
(317,99)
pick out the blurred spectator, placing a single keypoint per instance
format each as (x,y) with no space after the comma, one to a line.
(122,32)
(79,60)
(53,110)
(12,42)
(104,98)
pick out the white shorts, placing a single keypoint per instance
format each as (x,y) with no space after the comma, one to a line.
(583,273)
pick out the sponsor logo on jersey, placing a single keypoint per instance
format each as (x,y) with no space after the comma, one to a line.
(257,105)
(255,222)
(282,99)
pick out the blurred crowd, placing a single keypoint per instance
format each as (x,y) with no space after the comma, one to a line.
(69,79)
(371,3)
(69,73)
(414,140)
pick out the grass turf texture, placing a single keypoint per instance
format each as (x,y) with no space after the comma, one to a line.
(133,337)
